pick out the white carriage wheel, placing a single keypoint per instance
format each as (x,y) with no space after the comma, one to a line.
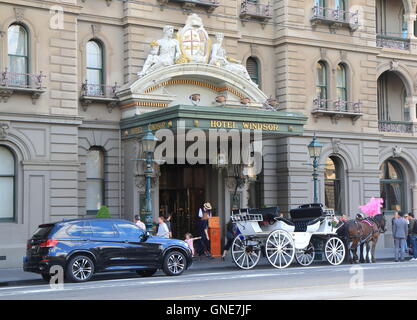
(335,251)
(305,256)
(280,249)
(245,253)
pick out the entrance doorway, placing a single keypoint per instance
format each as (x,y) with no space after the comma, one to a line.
(182,191)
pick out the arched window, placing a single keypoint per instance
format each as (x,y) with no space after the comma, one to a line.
(321,80)
(7,184)
(341,87)
(252,66)
(17,52)
(95,180)
(95,75)
(392,186)
(333,184)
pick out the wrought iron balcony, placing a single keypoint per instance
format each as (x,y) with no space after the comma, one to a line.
(29,83)
(335,18)
(336,109)
(384,41)
(99,93)
(396,126)
(209,5)
(254,10)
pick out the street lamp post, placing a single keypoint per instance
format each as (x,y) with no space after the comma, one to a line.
(314,149)
(148,143)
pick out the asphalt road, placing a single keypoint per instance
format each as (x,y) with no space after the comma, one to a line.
(384,280)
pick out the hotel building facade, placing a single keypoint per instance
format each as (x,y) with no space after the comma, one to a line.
(73,107)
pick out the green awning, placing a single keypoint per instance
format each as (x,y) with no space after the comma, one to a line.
(205,118)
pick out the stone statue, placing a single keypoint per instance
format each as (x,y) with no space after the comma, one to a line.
(152,61)
(164,52)
(220,59)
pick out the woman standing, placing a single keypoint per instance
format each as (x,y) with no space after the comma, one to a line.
(163,230)
(204,214)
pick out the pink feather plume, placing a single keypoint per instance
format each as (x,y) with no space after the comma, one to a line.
(373,207)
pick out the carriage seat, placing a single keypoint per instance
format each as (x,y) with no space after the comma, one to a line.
(307,218)
(269,214)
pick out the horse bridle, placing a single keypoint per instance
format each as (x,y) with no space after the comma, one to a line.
(380,228)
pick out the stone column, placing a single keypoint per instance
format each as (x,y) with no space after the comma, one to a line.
(410,103)
(414,204)
(410,18)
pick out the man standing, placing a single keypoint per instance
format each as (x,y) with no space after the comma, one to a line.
(412,232)
(399,232)
(139,223)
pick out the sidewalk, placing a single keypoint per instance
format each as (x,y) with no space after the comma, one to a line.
(16,276)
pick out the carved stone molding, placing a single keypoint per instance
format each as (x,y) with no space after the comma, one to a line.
(19,13)
(5,94)
(394,65)
(323,53)
(397,151)
(336,143)
(4,129)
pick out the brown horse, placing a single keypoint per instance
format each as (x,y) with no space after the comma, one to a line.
(364,234)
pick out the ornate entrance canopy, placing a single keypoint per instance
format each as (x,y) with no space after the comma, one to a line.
(188,77)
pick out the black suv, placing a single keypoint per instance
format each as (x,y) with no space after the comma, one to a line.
(83,247)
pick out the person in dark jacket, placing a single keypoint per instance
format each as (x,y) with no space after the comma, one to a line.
(231,233)
(399,232)
(412,233)
(204,214)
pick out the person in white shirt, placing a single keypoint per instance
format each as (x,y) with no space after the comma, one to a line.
(163,230)
(139,223)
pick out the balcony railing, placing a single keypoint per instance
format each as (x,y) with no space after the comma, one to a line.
(384,41)
(335,17)
(250,9)
(100,94)
(396,126)
(22,80)
(336,109)
(209,5)
(24,83)
(99,90)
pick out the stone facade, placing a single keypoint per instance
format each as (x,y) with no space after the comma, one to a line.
(50,134)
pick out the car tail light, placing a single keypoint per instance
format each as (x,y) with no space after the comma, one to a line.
(48,243)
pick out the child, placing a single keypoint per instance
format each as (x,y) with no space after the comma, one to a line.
(190,241)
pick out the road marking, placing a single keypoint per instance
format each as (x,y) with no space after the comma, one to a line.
(377,283)
(231,275)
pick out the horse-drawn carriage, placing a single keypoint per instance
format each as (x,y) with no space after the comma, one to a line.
(311,230)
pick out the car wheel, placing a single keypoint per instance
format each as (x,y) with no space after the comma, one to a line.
(46,277)
(146,273)
(80,269)
(174,263)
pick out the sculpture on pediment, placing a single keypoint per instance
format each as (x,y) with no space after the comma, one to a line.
(164,52)
(220,59)
(192,45)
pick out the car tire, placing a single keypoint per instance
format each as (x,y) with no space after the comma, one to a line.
(79,269)
(174,263)
(46,276)
(146,273)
